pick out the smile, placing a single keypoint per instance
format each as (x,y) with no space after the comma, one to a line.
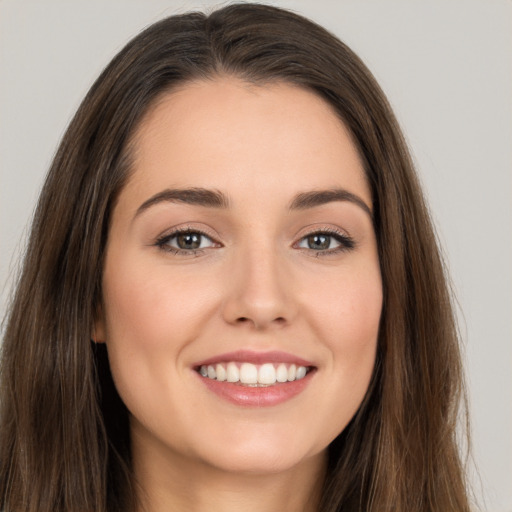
(248,374)
(255,379)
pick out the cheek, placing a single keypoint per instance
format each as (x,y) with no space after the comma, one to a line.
(347,320)
(147,306)
(148,323)
(348,309)
(354,332)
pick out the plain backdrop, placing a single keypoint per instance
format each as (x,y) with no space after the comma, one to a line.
(446,67)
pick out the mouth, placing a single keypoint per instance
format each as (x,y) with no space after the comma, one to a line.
(254,375)
(252,379)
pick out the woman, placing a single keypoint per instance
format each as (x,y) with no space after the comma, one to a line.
(233,219)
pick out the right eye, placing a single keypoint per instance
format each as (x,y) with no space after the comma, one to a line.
(185,242)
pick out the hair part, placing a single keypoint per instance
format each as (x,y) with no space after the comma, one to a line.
(64,436)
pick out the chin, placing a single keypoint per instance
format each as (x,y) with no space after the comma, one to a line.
(263,453)
(258,463)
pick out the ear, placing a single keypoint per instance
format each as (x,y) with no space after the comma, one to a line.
(99,331)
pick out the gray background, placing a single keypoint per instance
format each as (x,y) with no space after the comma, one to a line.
(446,66)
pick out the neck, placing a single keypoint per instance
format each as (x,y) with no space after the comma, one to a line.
(170,481)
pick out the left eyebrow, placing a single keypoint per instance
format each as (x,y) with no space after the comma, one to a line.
(314,198)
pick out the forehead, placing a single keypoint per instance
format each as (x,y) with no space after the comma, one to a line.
(228,134)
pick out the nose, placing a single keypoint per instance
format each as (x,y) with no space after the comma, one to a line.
(261,292)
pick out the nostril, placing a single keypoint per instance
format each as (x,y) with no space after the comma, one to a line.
(244,319)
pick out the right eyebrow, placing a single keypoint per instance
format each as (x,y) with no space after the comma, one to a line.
(193,196)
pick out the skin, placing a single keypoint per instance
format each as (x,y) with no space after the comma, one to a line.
(255,284)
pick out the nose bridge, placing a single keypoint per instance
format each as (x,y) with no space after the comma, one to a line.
(260,288)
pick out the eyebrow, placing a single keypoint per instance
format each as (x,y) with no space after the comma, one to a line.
(315,198)
(193,196)
(215,199)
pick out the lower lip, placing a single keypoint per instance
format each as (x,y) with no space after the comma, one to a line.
(257,396)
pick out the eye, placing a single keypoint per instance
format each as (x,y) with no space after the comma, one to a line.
(182,242)
(323,241)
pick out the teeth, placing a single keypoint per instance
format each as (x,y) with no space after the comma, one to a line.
(301,372)
(248,374)
(252,375)
(221,372)
(282,373)
(267,374)
(232,373)
(292,372)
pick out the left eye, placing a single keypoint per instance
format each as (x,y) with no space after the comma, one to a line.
(188,241)
(321,242)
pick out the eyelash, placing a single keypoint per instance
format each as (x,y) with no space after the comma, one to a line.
(346,242)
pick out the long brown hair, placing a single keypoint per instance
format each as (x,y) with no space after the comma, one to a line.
(64,439)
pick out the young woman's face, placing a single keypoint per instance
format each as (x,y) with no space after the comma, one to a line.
(242,288)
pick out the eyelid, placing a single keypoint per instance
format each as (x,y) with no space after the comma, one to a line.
(189,228)
(325,229)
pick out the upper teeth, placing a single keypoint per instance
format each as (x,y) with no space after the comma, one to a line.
(251,374)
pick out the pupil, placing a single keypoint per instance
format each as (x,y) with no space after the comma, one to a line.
(318,242)
(189,241)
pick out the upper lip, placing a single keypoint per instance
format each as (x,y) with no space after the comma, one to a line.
(248,356)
